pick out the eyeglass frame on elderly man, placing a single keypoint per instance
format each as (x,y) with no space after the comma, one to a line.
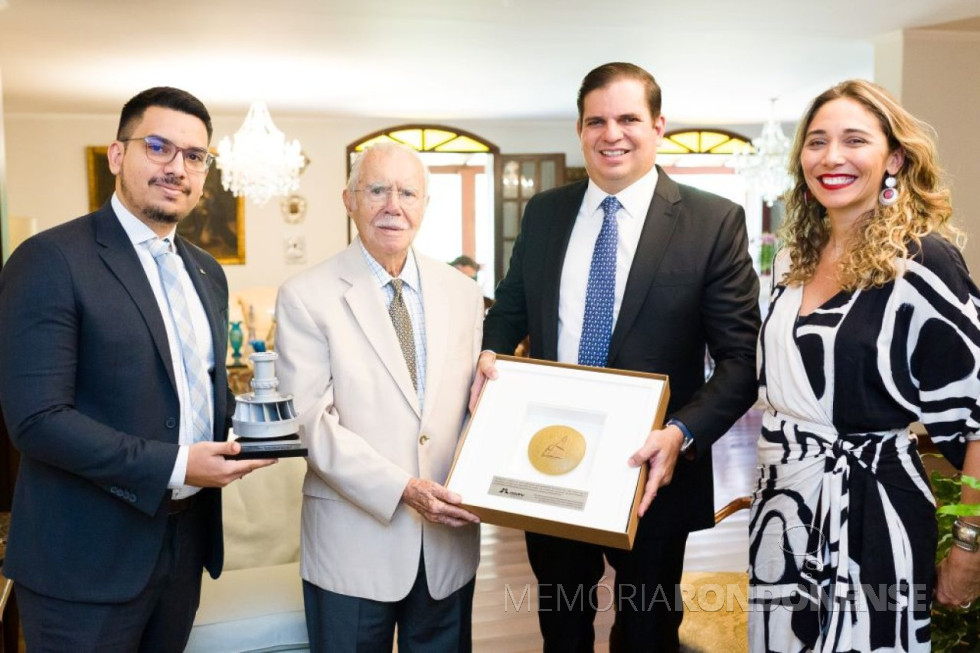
(379,193)
(153,140)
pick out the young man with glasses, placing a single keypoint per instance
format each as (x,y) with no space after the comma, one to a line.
(114,390)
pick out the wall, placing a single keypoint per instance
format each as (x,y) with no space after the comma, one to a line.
(938,87)
(47,176)
(888,61)
(4,236)
(929,72)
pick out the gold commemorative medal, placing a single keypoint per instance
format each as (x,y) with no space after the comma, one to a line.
(556,450)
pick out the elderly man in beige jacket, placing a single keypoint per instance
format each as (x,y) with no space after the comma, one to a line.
(378,346)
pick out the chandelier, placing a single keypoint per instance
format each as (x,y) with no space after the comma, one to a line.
(257,162)
(764,164)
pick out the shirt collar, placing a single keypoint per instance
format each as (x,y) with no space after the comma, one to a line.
(409,273)
(635,198)
(137,230)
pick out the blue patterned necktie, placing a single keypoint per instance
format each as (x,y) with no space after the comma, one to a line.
(600,294)
(195,370)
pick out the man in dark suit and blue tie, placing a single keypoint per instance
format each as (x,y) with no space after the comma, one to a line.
(114,390)
(631,270)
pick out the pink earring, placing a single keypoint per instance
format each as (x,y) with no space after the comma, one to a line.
(888,194)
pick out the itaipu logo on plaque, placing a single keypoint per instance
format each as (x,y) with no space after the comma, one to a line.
(556,449)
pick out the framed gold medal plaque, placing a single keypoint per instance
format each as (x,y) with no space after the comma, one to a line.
(547,448)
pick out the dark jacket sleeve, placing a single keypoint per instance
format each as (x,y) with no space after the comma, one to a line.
(730,319)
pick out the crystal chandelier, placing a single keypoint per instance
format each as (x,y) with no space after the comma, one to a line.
(257,162)
(764,164)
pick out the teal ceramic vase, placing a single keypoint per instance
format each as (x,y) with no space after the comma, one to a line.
(236,337)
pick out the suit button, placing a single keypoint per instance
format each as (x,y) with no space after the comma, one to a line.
(114,490)
(171,422)
(423,439)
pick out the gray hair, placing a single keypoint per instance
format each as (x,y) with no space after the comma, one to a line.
(383,146)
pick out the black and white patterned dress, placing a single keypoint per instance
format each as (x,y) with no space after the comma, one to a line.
(843,530)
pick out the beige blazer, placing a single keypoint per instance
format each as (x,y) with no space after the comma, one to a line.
(341,361)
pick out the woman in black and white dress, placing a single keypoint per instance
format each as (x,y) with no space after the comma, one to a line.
(873,324)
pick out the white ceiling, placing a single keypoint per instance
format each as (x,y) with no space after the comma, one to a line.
(718,61)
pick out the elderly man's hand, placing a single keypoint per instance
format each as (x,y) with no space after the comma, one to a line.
(437,504)
(485,369)
(660,451)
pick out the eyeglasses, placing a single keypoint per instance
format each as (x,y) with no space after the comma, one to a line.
(381,194)
(160,150)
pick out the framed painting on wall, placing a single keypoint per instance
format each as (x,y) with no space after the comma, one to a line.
(216,225)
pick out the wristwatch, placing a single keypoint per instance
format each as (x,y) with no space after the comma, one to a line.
(688,444)
(966,535)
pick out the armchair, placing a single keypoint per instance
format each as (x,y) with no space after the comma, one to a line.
(257,603)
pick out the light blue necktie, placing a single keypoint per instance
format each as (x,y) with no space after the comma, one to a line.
(198,381)
(600,294)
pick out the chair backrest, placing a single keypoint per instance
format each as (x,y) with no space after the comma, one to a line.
(741,503)
(262,515)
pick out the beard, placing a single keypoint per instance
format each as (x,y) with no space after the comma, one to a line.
(156,214)
(159,216)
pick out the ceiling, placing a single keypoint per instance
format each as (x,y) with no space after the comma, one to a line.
(718,61)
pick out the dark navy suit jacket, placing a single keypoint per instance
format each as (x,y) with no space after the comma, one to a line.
(691,285)
(88,393)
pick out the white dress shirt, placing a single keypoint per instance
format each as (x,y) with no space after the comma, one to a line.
(635,201)
(140,235)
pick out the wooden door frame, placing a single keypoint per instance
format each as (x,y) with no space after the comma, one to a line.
(467,209)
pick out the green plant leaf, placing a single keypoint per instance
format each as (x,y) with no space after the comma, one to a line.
(970,481)
(960,509)
(940,481)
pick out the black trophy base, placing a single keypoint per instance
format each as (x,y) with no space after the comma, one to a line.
(287,446)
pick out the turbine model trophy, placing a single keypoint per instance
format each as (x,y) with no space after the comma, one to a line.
(265,422)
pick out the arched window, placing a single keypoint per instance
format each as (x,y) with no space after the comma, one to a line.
(702,141)
(427,138)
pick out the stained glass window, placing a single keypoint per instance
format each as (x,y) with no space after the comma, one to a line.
(701,141)
(427,139)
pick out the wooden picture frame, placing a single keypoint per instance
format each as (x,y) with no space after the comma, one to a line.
(595,498)
(216,225)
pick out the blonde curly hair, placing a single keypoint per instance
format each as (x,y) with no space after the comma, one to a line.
(885,233)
